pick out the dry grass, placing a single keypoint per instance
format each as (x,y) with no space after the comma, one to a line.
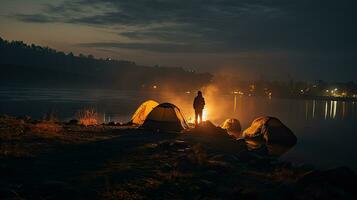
(46,127)
(24,138)
(87,117)
(11,127)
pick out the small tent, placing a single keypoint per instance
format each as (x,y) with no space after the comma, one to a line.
(143,111)
(165,117)
(271,129)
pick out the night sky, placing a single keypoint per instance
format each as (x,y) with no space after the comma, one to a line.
(279,39)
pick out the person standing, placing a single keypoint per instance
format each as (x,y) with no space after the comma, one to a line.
(198,105)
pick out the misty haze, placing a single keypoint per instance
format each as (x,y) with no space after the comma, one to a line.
(222,99)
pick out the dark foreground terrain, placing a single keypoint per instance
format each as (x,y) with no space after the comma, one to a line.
(48,160)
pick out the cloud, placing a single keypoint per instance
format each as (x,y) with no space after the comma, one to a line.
(201,26)
(35,18)
(157,47)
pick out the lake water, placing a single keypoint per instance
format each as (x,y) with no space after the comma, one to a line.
(326,130)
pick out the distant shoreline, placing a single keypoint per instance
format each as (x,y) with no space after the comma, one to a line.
(318,98)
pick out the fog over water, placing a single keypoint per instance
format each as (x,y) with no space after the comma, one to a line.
(325,129)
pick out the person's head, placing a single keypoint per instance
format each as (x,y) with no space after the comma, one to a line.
(199,93)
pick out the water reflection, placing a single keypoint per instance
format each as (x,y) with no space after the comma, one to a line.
(313,108)
(247,109)
(332,110)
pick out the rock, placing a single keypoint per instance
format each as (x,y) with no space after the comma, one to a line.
(246,156)
(173,145)
(166,167)
(208,128)
(111,124)
(206,183)
(233,127)
(272,130)
(225,157)
(184,164)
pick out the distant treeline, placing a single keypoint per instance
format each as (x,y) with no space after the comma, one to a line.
(33,65)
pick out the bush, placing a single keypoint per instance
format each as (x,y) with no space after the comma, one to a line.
(87,117)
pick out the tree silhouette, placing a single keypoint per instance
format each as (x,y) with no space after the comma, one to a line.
(28,65)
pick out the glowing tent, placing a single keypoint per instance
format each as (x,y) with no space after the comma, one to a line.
(271,129)
(165,117)
(143,111)
(232,126)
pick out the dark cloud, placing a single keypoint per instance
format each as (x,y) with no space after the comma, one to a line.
(35,18)
(238,25)
(159,47)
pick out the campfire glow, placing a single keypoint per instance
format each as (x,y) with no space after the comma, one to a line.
(204,114)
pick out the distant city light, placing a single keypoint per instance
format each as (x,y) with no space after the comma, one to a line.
(154,86)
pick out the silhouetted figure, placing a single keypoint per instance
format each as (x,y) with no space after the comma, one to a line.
(198,105)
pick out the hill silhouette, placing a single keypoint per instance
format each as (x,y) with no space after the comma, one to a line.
(32,65)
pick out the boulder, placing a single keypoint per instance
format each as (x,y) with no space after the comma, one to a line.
(207,128)
(271,129)
(232,126)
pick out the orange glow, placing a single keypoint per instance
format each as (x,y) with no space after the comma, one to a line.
(204,114)
(87,117)
(204,117)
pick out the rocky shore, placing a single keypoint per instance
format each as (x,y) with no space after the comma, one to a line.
(54,160)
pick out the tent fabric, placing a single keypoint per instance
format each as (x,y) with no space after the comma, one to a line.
(271,129)
(165,117)
(143,111)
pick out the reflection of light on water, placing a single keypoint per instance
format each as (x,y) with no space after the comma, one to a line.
(313,108)
(331,108)
(343,109)
(306,109)
(334,109)
(235,103)
(326,105)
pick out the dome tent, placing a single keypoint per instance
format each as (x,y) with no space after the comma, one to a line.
(165,117)
(143,111)
(271,129)
(232,126)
